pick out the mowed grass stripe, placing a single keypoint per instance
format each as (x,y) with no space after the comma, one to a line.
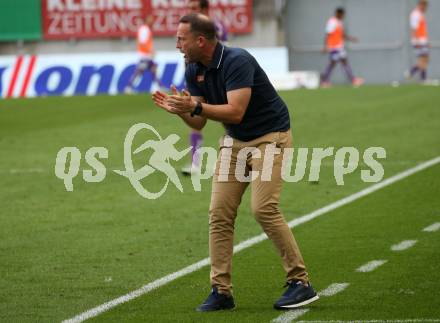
(333,247)
(58,247)
(249,243)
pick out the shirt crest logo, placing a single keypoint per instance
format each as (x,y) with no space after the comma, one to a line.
(200,78)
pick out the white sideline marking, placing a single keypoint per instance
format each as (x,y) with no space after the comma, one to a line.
(333,289)
(250,242)
(370,266)
(290,316)
(375,321)
(406,244)
(433,227)
(138,292)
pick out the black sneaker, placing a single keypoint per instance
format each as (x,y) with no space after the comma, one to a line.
(296,295)
(216,302)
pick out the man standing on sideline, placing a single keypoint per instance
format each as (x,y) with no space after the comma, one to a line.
(227,85)
(145,51)
(335,47)
(419,40)
(196,136)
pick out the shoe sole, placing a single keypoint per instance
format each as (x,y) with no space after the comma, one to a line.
(216,310)
(310,300)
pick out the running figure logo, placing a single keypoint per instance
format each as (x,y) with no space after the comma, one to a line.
(163,151)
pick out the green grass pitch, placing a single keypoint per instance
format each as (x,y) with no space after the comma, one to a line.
(62,253)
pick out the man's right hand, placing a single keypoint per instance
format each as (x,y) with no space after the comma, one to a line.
(182,102)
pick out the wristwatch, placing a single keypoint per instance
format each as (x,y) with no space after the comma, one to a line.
(197,110)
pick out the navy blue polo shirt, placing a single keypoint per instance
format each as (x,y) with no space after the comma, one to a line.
(232,69)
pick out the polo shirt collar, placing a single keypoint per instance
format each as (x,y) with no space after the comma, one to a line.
(217,57)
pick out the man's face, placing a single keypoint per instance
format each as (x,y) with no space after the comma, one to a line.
(194,6)
(423,6)
(187,43)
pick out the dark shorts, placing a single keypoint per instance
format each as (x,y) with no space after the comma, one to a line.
(336,55)
(421,50)
(145,64)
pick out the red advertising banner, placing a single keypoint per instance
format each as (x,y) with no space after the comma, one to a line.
(64,19)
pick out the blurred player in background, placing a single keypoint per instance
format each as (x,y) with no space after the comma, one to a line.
(145,49)
(334,45)
(202,6)
(196,136)
(419,40)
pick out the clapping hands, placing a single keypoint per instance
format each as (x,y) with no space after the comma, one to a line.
(175,103)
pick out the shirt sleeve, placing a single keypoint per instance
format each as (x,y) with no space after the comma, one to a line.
(331,26)
(191,85)
(240,74)
(414,20)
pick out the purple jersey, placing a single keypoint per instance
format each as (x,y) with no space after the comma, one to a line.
(221,31)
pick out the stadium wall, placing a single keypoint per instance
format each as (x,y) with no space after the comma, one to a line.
(103,73)
(384,51)
(266,32)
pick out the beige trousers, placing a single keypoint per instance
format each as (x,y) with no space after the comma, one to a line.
(226,195)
